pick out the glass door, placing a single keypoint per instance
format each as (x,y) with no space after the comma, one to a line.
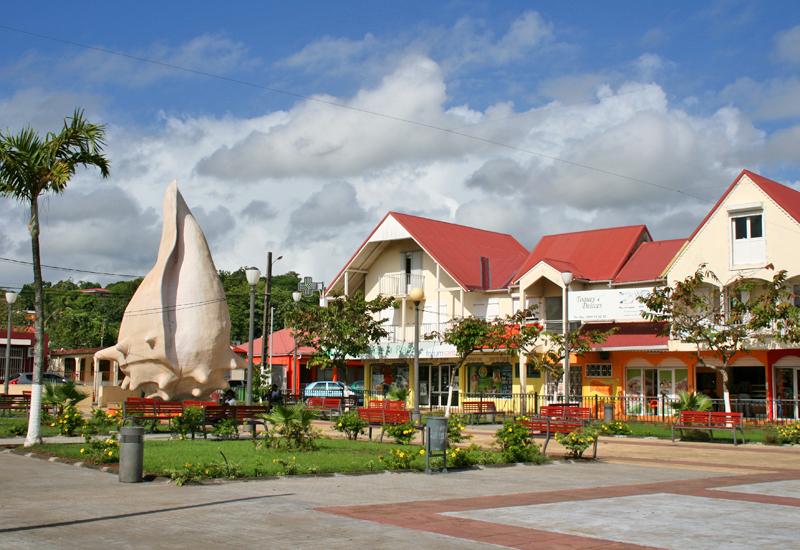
(424,385)
(786,392)
(440,383)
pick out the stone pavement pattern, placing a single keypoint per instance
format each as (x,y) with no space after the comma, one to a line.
(643,493)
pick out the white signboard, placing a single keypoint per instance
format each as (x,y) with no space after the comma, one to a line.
(612,304)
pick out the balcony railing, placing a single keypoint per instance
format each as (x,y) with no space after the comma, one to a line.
(400,284)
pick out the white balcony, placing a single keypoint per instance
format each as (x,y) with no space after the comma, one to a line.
(400,284)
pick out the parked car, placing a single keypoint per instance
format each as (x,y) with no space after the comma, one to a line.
(47,378)
(327,389)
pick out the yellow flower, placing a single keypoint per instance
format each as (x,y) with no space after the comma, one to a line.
(422,451)
(83,451)
(110,453)
(53,425)
(510,430)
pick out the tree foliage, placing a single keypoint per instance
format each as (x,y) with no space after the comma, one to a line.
(347,327)
(725,319)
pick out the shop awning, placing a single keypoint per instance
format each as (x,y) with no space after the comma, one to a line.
(631,336)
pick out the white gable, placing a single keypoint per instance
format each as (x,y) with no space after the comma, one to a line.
(389,230)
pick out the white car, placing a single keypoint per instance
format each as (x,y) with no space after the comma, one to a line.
(327,389)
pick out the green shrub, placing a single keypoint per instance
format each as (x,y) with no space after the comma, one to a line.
(455,429)
(690,401)
(225,429)
(351,425)
(397,393)
(68,420)
(516,443)
(402,433)
(401,459)
(188,422)
(578,441)
(193,472)
(18,429)
(102,422)
(289,467)
(100,450)
(293,428)
(458,457)
(614,428)
(789,433)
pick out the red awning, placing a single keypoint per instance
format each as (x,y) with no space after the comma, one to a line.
(631,336)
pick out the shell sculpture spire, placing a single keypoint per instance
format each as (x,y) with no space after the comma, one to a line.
(174,340)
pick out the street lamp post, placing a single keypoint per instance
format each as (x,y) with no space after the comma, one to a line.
(253,275)
(416,295)
(566,276)
(296,297)
(267,320)
(11,297)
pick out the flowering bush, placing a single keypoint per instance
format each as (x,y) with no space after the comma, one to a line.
(189,421)
(577,442)
(455,429)
(68,420)
(351,425)
(615,428)
(401,459)
(516,443)
(193,472)
(288,466)
(100,450)
(225,429)
(789,433)
(103,421)
(402,433)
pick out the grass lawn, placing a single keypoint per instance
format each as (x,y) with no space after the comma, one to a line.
(9,424)
(333,455)
(663,431)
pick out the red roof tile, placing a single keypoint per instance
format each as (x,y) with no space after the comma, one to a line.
(786,197)
(649,261)
(282,344)
(594,255)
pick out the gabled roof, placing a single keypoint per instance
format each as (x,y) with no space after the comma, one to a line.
(282,344)
(458,249)
(784,196)
(594,255)
(649,261)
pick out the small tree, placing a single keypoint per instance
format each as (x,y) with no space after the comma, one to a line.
(347,327)
(724,319)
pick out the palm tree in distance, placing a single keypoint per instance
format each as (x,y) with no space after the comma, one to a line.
(30,167)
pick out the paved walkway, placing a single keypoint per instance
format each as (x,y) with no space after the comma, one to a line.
(642,493)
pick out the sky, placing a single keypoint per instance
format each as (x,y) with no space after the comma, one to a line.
(295,126)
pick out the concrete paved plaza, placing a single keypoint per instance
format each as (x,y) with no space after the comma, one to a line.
(641,493)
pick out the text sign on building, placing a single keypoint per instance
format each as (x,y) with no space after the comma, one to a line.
(612,304)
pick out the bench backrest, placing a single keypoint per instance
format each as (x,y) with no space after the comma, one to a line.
(560,411)
(709,418)
(394,404)
(200,404)
(324,402)
(553,425)
(392,416)
(478,407)
(372,415)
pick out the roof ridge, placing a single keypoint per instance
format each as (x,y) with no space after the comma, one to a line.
(640,225)
(395,212)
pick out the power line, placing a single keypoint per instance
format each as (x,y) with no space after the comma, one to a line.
(61,268)
(337,104)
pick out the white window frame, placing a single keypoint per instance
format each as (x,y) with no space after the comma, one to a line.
(603,366)
(747,213)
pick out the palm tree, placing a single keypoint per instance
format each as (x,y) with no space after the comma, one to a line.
(691,402)
(30,167)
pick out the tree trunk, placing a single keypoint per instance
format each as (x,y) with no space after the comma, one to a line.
(453,374)
(34,419)
(726,393)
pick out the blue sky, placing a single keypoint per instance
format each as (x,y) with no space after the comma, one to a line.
(680,94)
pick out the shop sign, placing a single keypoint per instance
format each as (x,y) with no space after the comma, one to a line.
(612,304)
(399,350)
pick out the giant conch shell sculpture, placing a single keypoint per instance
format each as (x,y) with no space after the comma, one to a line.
(174,340)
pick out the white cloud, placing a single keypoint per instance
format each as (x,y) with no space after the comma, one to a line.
(772,99)
(787,45)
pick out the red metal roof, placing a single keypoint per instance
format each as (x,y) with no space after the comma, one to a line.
(631,335)
(458,249)
(594,255)
(649,261)
(282,344)
(786,197)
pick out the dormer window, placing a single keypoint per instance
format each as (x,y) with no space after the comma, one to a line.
(748,246)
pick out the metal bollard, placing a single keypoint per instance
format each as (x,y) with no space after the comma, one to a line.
(131,454)
(608,413)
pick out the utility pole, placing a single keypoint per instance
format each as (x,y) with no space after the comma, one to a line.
(267,306)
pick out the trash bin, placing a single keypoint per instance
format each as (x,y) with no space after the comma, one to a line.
(608,413)
(435,440)
(131,454)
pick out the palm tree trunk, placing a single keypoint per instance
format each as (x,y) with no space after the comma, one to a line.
(726,392)
(34,419)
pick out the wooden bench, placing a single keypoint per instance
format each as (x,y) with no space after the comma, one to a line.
(325,406)
(15,403)
(548,427)
(475,409)
(709,421)
(150,410)
(375,416)
(391,404)
(583,414)
(239,414)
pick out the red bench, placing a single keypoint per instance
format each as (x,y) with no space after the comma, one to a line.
(326,406)
(476,409)
(548,427)
(560,411)
(709,421)
(393,404)
(239,414)
(375,416)
(145,409)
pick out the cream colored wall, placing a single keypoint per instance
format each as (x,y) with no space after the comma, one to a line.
(712,244)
